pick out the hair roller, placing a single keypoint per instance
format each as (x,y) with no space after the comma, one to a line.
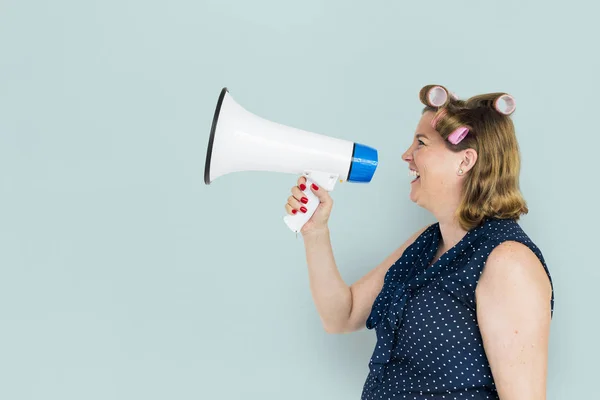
(434,95)
(502,103)
(505,104)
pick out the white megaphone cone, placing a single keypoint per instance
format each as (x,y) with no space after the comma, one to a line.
(242,141)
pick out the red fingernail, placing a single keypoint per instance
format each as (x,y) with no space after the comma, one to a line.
(315,187)
(304,200)
(302,186)
(303,209)
(294,211)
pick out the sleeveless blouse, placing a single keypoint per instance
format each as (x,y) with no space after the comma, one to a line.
(428,341)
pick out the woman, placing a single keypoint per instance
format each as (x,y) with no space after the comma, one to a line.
(448,328)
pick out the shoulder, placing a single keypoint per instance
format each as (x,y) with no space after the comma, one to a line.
(423,231)
(511,254)
(420,237)
(412,240)
(511,267)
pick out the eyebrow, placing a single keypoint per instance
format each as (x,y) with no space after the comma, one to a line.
(420,135)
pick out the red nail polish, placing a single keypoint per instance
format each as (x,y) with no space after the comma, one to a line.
(302,186)
(304,200)
(303,209)
(315,187)
(294,211)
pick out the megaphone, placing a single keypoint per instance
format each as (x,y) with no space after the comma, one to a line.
(242,141)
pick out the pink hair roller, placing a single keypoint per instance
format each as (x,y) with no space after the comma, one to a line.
(437,96)
(458,135)
(509,105)
(440,114)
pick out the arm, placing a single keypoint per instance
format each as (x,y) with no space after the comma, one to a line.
(513,311)
(343,308)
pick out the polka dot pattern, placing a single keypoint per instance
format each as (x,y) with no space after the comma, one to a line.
(428,341)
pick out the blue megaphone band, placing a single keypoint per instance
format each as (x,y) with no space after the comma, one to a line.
(364,163)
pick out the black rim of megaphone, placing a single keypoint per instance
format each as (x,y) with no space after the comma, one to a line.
(211,139)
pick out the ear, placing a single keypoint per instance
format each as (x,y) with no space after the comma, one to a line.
(469,158)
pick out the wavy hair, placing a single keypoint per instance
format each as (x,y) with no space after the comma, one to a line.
(491,187)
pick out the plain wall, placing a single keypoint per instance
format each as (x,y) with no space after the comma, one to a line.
(124,276)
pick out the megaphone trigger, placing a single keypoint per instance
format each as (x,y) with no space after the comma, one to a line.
(325,180)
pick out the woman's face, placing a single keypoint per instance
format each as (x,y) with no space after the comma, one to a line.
(436,165)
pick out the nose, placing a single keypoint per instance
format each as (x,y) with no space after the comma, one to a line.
(407,155)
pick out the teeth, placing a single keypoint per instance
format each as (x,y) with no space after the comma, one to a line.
(413,173)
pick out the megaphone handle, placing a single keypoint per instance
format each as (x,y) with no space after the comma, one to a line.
(296,222)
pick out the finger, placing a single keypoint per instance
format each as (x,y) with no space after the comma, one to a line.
(299,195)
(302,182)
(295,203)
(321,193)
(290,210)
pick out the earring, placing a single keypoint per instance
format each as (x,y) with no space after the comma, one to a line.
(460,171)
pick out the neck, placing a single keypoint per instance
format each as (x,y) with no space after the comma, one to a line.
(451,231)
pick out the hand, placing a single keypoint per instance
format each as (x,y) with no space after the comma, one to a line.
(320,218)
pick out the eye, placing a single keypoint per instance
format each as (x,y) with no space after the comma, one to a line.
(421,142)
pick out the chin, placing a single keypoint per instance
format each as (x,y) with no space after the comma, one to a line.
(413,197)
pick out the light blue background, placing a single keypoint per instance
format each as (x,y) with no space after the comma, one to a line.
(123,276)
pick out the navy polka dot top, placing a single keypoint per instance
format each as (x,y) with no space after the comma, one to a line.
(428,340)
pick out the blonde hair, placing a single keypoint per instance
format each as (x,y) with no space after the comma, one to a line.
(491,187)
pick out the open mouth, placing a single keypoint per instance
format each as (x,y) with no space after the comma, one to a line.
(415,174)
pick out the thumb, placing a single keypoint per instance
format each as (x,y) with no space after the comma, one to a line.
(322,194)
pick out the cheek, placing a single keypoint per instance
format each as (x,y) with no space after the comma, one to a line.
(426,162)
(433,166)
